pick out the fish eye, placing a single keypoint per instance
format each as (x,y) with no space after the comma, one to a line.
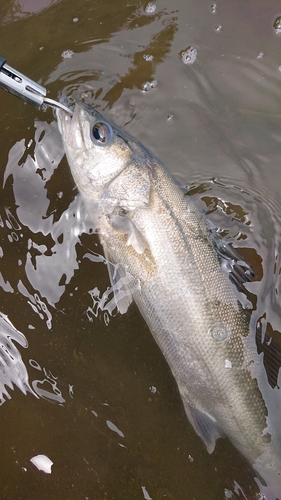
(101,132)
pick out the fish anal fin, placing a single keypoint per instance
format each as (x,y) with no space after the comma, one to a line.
(123,283)
(204,425)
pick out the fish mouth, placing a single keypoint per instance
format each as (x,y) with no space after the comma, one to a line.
(62,113)
(69,125)
(68,103)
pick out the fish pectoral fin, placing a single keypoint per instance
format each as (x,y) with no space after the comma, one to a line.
(204,425)
(124,224)
(123,283)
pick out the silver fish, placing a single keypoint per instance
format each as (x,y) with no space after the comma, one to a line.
(149,225)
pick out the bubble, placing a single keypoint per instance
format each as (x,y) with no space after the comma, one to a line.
(213,8)
(228,494)
(219,331)
(150,8)
(190,458)
(277,25)
(189,55)
(146,86)
(261,54)
(149,85)
(148,57)
(170,117)
(75,19)
(153,389)
(218,27)
(67,54)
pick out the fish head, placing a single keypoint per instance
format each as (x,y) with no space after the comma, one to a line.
(98,152)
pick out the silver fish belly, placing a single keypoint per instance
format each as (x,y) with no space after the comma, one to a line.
(147,224)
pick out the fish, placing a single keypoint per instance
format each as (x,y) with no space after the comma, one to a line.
(183,278)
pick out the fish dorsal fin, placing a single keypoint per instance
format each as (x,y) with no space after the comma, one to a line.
(204,425)
(123,283)
(238,270)
(125,225)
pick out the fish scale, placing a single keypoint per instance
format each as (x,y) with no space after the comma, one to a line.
(147,224)
(179,327)
(200,316)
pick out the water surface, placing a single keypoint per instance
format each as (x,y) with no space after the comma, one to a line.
(91,390)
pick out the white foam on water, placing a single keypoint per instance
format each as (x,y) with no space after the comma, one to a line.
(42,462)
(145,493)
(150,8)
(189,55)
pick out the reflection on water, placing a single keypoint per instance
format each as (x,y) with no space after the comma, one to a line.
(12,368)
(17,9)
(51,256)
(49,382)
(86,376)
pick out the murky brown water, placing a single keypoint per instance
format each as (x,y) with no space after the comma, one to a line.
(107,411)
